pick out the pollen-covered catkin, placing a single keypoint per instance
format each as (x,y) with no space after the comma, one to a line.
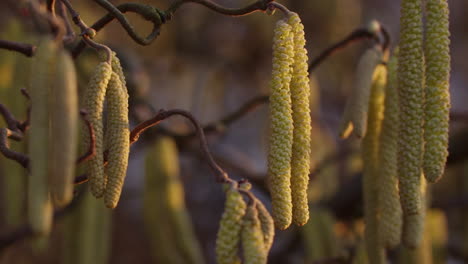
(229,232)
(437,105)
(389,199)
(300,92)
(94,104)
(64,131)
(117,140)
(411,101)
(44,66)
(281,126)
(370,151)
(267,225)
(356,109)
(252,238)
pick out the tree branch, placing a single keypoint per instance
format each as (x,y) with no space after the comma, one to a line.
(22,159)
(260,5)
(23,48)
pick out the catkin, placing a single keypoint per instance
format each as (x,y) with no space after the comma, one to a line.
(300,92)
(411,100)
(356,109)
(389,199)
(267,225)
(94,104)
(437,105)
(64,131)
(229,232)
(252,238)
(281,127)
(370,148)
(44,66)
(117,140)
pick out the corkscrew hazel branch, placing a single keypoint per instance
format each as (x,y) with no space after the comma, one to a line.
(21,158)
(23,48)
(260,5)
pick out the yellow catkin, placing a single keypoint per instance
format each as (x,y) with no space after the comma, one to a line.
(389,198)
(253,245)
(356,109)
(267,225)
(300,92)
(411,100)
(413,225)
(94,104)
(43,69)
(281,127)
(64,128)
(370,148)
(437,105)
(229,232)
(117,140)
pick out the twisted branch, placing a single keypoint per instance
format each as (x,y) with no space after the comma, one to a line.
(23,48)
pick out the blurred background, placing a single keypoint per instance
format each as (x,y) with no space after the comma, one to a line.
(210,65)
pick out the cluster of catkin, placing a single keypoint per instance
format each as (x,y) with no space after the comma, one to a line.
(248,224)
(401,112)
(290,125)
(53,134)
(113,142)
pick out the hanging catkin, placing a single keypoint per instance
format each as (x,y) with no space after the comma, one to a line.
(436,111)
(44,66)
(370,148)
(281,127)
(64,131)
(94,104)
(389,198)
(411,99)
(300,160)
(229,232)
(267,225)
(252,238)
(117,140)
(356,109)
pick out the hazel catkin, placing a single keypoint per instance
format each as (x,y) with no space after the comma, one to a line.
(229,232)
(411,101)
(252,238)
(437,105)
(281,127)
(389,199)
(300,92)
(94,104)
(117,140)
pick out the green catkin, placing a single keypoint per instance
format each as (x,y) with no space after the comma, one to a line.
(267,225)
(370,148)
(320,241)
(356,109)
(437,105)
(389,199)
(281,127)
(117,140)
(252,238)
(300,92)
(64,131)
(94,104)
(160,199)
(171,198)
(229,232)
(44,65)
(413,225)
(411,100)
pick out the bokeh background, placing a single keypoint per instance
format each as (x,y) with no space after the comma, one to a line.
(210,65)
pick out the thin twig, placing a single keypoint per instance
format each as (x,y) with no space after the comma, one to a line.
(70,34)
(23,48)
(221,175)
(357,35)
(10,120)
(24,126)
(260,5)
(92,139)
(147,12)
(21,158)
